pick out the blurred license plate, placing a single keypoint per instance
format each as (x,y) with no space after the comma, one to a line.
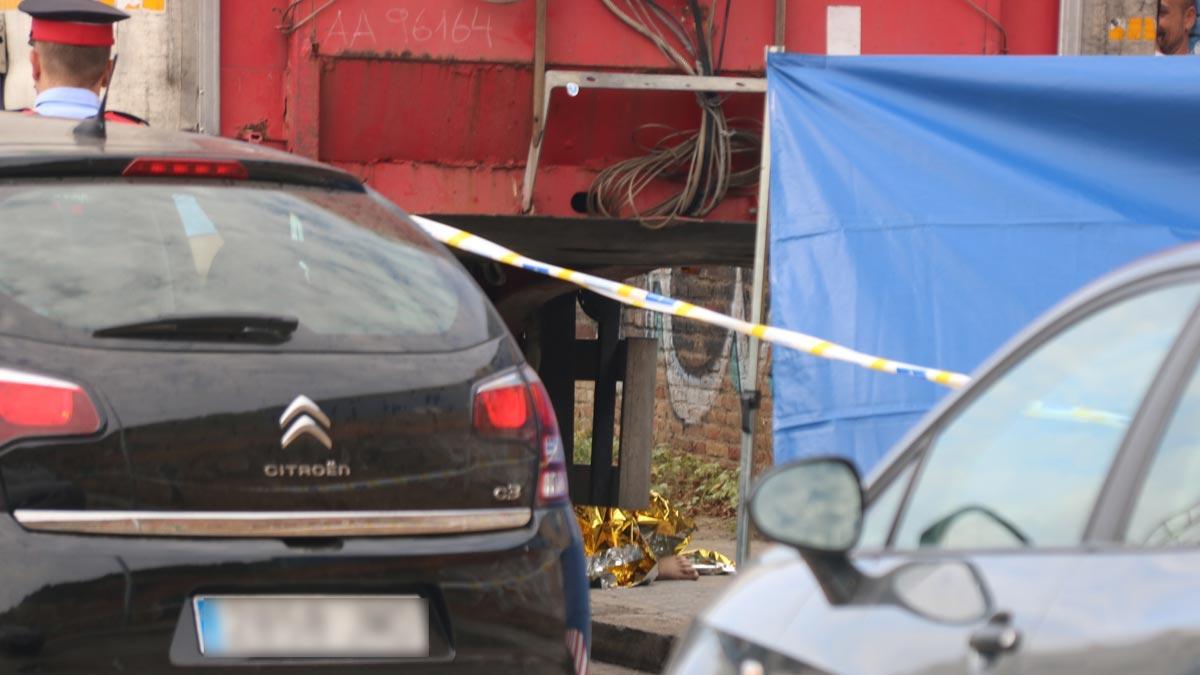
(312,626)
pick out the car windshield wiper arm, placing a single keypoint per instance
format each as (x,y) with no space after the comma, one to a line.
(209,327)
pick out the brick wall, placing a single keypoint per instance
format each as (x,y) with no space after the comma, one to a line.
(698,406)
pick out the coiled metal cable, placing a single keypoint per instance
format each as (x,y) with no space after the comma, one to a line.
(700,159)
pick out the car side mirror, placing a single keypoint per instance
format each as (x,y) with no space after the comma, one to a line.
(814,505)
(945,591)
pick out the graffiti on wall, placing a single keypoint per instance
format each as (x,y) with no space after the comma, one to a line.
(699,358)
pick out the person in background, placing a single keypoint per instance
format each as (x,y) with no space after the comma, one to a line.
(72,57)
(1176,22)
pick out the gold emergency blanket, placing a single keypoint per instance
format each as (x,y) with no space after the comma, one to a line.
(623,547)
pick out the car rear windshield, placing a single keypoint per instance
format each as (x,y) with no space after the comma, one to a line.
(354,271)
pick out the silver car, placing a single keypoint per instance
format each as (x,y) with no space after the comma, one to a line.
(1044,519)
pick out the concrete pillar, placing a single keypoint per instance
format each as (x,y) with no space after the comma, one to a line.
(1115,26)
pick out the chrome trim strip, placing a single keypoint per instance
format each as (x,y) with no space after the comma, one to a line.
(274,524)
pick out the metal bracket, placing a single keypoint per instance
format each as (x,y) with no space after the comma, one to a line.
(751,402)
(591,79)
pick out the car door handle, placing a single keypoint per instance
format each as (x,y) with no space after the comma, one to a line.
(996,636)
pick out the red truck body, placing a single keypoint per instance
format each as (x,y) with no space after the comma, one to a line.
(431,100)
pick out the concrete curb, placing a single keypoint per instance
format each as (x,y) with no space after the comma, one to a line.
(630,647)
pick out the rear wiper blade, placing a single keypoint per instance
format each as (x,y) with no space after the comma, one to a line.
(209,327)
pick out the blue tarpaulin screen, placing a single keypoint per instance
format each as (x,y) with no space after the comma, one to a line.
(926,208)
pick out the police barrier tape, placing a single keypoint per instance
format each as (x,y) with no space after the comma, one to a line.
(643,299)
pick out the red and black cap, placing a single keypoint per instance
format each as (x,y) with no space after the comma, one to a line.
(83,23)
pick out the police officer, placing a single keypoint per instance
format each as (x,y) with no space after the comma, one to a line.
(72,56)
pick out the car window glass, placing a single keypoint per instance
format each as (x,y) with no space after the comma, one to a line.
(355,274)
(881,512)
(1023,463)
(1167,511)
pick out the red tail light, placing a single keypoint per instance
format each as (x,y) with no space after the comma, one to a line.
(502,408)
(33,406)
(166,167)
(516,406)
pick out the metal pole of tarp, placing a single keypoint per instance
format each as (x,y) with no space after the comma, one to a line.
(750,395)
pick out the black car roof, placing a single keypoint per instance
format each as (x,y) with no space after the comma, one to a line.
(34,147)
